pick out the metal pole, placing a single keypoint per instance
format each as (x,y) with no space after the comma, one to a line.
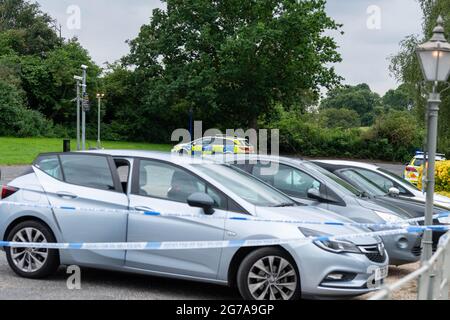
(191,118)
(433,110)
(99,112)
(78,115)
(83,117)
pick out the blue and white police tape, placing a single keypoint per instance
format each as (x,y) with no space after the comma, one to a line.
(183,245)
(402,223)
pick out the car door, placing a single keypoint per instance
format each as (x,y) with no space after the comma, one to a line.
(164,187)
(383,182)
(291,181)
(76,180)
(218,145)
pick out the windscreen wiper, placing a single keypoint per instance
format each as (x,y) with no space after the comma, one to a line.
(285,204)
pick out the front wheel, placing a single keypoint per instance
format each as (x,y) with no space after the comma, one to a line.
(268,274)
(32,263)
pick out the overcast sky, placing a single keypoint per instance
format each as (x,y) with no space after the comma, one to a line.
(373,30)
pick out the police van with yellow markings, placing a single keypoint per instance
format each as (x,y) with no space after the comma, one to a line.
(413,168)
(215,145)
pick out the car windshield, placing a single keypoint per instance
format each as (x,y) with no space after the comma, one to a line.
(246,186)
(363,183)
(334,180)
(398,178)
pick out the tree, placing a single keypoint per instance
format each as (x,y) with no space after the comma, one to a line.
(25,28)
(401,130)
(232,61)
(358,98)
(405,67)
(340,118)
(16,119)
(398,99)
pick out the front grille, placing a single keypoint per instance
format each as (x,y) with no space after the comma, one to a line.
(374,253)
(416,251)
(376,257)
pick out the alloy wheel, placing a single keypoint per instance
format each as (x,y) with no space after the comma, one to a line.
(272,278)
(29,260)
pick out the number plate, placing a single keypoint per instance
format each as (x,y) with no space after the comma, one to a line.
(381,273)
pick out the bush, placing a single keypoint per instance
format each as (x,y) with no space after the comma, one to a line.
(303,134)
(442,176)
(339,118)
(17,120)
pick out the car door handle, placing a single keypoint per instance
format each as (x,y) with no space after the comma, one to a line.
(66,195)
(143,208)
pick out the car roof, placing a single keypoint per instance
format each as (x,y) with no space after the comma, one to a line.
(421,156)
(349,164)
(254,157)
(157,155)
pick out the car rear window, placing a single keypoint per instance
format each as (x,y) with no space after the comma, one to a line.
(50,165)
(87,170)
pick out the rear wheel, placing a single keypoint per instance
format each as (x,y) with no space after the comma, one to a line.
(32,262)
(269,274)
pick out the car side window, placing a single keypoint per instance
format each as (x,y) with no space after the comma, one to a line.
(289,180)
(50,165)
(229,142)
(165,181)
(218,142)
(206,142)
(381,181)
(87,170)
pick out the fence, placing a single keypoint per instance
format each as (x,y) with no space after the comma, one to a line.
(432,277)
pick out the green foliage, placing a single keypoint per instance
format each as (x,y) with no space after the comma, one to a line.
(25,29)
(230,61)
(16,119)
(405,67)
(358,98)
(340,118)
(398,99)
(39,68)
(400,129)
(302,135)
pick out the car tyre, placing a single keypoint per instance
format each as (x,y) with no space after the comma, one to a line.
(269,274)
(31,262)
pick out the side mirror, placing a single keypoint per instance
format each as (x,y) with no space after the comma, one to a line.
(316,195)
(201,200)
(394,192)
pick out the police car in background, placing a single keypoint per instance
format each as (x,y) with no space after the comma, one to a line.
(219,144)
(412,170)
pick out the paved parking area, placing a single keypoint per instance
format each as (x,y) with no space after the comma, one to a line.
(9,173)
(98,284)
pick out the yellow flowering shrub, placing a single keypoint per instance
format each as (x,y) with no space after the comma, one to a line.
(442,176)
(444,193)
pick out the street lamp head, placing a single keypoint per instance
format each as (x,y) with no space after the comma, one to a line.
(78,78)
(84,67)
(434,55)
(100,95)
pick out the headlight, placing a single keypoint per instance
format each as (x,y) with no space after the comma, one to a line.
(444,220)
(389,217)
(335,246)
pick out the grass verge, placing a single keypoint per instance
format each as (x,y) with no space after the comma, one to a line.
(22,151)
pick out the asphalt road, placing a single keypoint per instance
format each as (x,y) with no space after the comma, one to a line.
(106,285)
